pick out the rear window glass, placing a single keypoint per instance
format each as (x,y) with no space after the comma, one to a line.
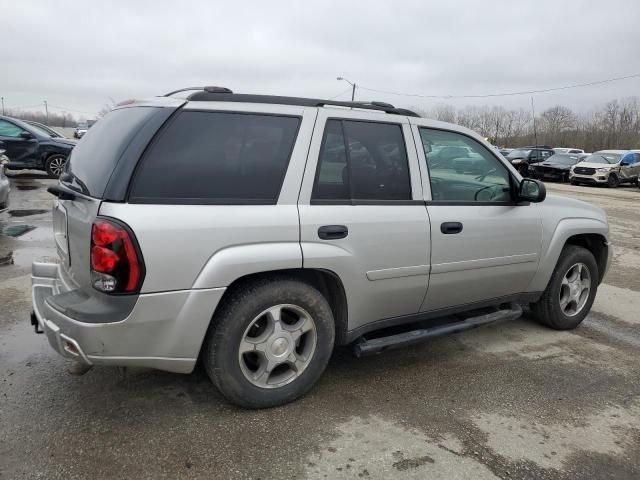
(217,157)
(94,158)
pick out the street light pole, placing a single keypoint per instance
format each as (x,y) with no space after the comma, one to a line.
(535,132)
(353,87)
(46,109)
(2,105)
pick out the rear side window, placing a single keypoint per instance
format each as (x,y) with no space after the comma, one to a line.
(94,158)
(217,158)
(362,161)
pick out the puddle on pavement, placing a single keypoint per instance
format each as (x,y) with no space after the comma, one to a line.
(16,230)
(26,213)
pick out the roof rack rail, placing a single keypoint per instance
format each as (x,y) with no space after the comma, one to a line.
(210,89)
(222,94)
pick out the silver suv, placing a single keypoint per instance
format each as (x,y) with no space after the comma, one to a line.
(256,233)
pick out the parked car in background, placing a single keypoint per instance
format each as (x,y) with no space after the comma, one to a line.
(521,158)
(30,147)
(4,184)
(52,133)
(607,167)
(80,130)
(556,167)
(568,150)
(300,225)
(505,151)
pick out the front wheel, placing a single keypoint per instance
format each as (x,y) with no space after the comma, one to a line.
(613,180)
(54,165)
(269,343)
(571,290)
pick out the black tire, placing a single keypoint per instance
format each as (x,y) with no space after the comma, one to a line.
(54,165)
(547,309)
(573,182)
(613,180)
(240,308)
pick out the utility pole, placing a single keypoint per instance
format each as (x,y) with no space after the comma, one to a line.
(535,132)
(353,87)
(46,109)
(2,105)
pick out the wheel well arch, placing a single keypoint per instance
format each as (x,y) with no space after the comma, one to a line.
(327,282)
(597,244)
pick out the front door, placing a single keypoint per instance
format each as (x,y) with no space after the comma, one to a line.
(20,150)
(484,246)
(362,215)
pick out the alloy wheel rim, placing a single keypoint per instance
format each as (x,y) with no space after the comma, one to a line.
(57,165)
(575,289)
(277,346)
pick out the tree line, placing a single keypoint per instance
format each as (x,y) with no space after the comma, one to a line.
(63,120)
(614,125)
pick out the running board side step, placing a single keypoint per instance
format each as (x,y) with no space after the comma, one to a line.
(363,346)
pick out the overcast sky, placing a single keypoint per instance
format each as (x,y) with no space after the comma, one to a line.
(78,55)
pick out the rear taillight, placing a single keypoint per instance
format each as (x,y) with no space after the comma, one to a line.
(116,262)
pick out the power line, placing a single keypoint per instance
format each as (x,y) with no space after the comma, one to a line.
(341,93)
(508,94)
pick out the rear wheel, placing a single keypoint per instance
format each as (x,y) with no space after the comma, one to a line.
(54,165)
(571,290)
(269,343)
(613,180)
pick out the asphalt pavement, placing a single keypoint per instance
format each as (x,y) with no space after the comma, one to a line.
(512,400)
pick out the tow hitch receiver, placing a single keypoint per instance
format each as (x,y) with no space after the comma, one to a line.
(34,322)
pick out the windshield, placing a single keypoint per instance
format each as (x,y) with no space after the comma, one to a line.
(609,158)
(518,153)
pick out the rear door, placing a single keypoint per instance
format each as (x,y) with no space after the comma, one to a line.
(362,215)
(484,246)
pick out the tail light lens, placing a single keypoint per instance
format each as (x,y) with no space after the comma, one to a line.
(116,261)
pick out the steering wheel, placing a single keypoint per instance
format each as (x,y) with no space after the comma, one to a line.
(493,192)
(481,177)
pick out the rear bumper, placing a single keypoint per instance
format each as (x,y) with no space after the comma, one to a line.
(163,331)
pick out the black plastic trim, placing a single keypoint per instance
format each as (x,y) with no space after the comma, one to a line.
(527,297)
(94,306)
(118,184)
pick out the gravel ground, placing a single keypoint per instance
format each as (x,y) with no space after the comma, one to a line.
(513,400)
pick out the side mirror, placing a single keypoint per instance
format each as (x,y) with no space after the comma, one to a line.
(531,190)
(624,163)
(26,135)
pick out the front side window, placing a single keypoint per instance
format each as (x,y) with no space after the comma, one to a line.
(362,160)
(217,157)
(474,174)
(8,129)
